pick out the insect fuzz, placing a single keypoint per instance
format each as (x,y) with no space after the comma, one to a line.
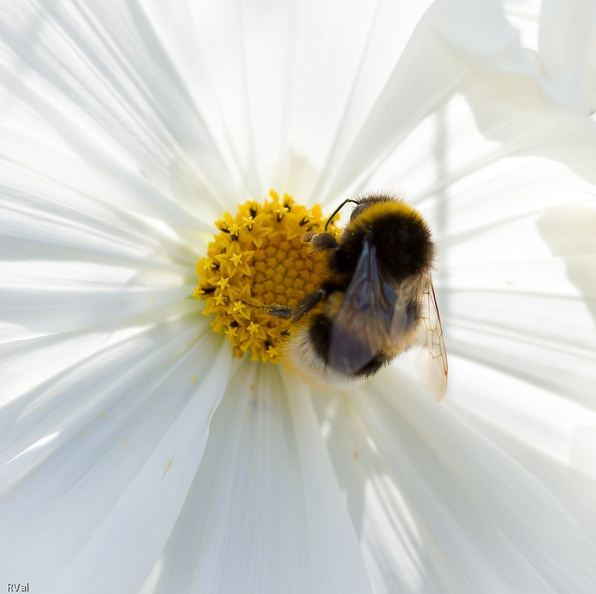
(375,301)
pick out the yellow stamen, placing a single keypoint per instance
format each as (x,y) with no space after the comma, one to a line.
(256,261)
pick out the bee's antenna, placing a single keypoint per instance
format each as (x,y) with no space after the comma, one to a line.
(338,209)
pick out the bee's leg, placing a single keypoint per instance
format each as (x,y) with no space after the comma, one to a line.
(320,241)
(309,302)
(280,311)
(277,311)
(285,312)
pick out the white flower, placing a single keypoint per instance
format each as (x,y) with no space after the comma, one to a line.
(562,35)
(137,454)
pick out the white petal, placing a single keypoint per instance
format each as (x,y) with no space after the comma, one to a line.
(280,84)
(459,517)
(551,436)
(336,563)
(561,35)
(264,513)
(97,87)
(567,47)
(524,15)
(110,471)
(398,554)
(454,41)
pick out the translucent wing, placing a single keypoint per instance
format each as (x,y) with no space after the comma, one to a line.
(431,362)
(362,324)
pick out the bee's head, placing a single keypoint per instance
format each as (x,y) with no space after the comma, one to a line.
(363,204)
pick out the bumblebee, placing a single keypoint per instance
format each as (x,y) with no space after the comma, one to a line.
(376,301)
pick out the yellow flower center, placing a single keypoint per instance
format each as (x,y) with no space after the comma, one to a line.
(259,260)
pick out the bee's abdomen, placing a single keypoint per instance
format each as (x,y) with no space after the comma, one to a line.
(372,367)
(320,335)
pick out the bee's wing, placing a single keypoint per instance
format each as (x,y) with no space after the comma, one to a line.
(431,362)
(362,324)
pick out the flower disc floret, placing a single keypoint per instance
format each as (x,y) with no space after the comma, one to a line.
(258,260)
